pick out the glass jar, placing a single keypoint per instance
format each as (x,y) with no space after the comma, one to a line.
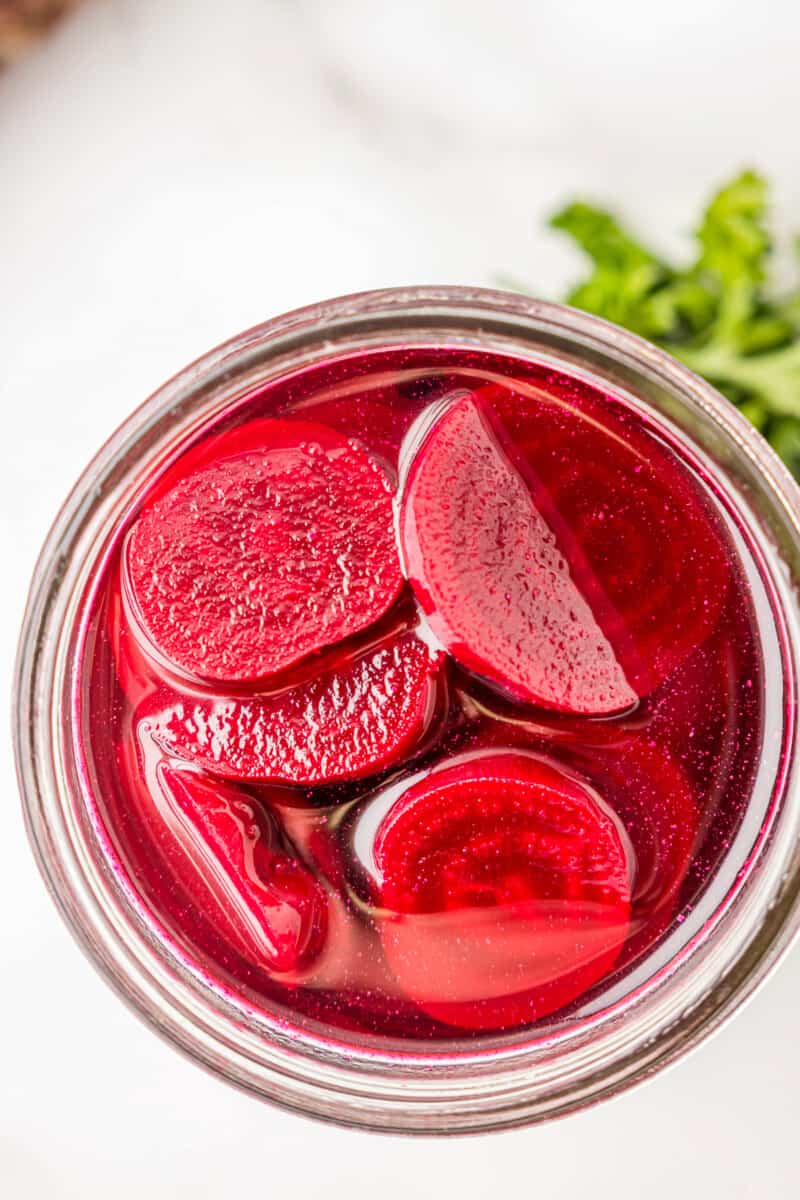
(734,934)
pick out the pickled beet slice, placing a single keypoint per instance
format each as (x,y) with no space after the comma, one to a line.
(227,855)
(351,722)
(488,571)
(506,886)
(262,556)
(639,527)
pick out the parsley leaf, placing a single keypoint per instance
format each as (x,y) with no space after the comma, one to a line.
(718,315)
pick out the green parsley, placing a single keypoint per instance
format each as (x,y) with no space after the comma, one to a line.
(718,315)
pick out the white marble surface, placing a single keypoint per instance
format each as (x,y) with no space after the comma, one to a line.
(172,172)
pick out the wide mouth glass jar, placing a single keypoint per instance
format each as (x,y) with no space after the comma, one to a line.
(709,960)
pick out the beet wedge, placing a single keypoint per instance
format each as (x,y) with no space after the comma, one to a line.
(491,577)
(264,554)
(354,721)
(226,854)
(506,889)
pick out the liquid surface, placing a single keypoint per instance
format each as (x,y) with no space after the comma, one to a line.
(423,695)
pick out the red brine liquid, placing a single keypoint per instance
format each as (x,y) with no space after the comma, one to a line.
(423,695)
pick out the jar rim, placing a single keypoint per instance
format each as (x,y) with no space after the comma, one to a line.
(442,1090)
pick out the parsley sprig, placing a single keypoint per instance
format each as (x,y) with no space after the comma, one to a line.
(718,315)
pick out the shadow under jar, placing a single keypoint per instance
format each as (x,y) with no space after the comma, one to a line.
(406,710)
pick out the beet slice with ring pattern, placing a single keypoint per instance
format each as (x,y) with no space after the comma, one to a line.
(258,558)
(505,884)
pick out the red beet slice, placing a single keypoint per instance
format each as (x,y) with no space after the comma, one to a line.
(639,527)
(262,556)
(226,854)
(494,583)
(508,885)
(352,722)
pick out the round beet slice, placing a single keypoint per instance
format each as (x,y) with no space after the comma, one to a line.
(353,721)
(227,855)
(506,889)
(632,519)
(260,557)
(491,577)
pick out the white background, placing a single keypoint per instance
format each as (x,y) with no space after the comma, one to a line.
(173,172)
